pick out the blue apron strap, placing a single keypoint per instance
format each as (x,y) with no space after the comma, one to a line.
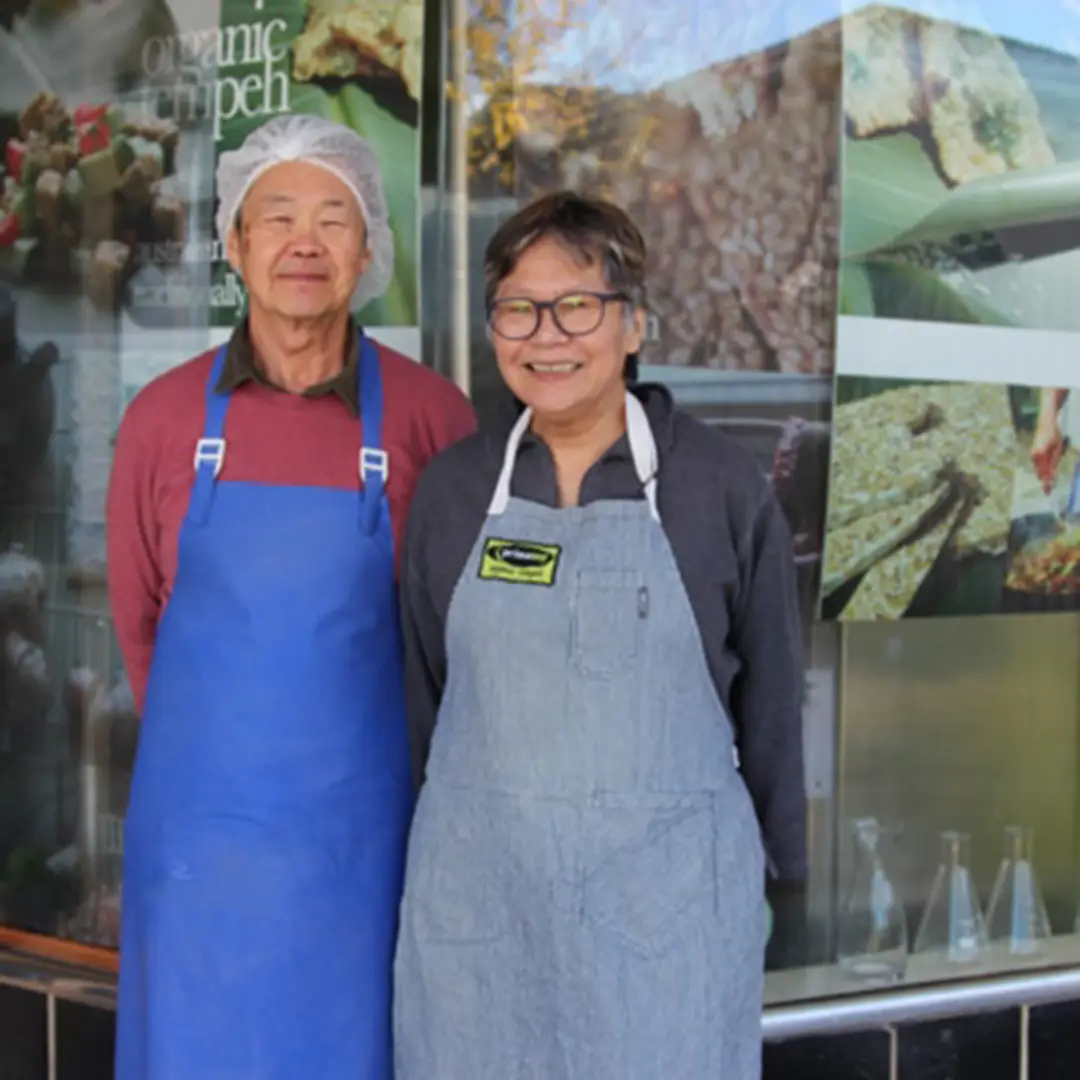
(374,460)
(210,449)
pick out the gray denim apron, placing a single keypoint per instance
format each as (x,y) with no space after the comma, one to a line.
(584,892)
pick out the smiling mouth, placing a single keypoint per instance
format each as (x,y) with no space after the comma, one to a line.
(552,367)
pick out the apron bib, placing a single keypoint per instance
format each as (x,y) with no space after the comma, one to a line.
(264,842)
(584,893)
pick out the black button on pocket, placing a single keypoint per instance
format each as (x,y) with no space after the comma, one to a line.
(609,615)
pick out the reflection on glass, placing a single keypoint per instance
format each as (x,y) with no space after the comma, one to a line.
(1017,915)
(873,934)
(953,921)
(24,678)
(721,144)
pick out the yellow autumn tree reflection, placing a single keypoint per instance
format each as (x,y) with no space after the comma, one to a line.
(509,47)
(725,155)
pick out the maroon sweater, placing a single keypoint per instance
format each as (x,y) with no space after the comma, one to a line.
(273,438)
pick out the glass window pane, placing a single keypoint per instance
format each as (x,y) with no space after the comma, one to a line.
(725,146)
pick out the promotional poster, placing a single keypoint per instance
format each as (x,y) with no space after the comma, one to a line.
(951,486)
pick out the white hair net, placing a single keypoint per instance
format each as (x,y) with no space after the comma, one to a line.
(331,146)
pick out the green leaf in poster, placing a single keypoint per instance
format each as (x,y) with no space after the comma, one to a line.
(890,186)
(892,196)
(397,147)
(905,291)
(856,289)
(1008,201)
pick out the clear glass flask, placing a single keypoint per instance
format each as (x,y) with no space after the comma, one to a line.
(952,923)
(1016,916)
(872,933)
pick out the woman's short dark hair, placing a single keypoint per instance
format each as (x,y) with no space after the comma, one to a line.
(591,230)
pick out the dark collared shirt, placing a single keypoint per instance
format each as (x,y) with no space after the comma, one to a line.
(242,365)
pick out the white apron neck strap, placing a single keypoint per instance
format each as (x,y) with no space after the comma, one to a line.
(642,450)
(501,498)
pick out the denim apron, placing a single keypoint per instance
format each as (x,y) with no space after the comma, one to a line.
(584,889)
(265,837)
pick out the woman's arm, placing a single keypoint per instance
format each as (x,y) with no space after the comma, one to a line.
(767,694)
(423,639)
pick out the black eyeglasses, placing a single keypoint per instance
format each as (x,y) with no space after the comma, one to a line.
(575,314)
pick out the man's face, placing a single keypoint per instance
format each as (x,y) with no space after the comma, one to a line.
(302,243)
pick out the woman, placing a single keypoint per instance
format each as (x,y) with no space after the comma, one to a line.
(601,630)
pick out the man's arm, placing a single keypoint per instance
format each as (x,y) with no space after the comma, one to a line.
(767,695)
(134,568)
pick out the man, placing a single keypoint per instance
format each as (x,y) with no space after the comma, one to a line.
(253,505)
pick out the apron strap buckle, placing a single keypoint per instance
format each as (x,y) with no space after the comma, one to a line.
(210,452)
(373,460)
(374,471)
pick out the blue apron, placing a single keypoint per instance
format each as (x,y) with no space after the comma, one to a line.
(265,837)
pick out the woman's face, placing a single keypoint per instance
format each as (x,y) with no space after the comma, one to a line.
(560,376)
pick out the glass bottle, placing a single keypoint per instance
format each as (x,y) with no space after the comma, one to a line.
(872,935)
(1017,915)
(952,923)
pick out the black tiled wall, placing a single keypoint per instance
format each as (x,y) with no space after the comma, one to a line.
(84,1042)
(23,1051)
(860,1056)
(1054,1041)
(983,1047)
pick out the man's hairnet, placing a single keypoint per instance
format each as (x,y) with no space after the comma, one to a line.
(331,146)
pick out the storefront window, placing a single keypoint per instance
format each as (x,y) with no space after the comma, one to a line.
(793,169)
(861,227)
(110,274)
(107,176)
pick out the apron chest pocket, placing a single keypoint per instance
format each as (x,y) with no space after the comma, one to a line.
(609,612)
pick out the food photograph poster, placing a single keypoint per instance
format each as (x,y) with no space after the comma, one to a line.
(954,486)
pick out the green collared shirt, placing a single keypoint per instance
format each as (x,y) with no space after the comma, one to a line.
(241,366)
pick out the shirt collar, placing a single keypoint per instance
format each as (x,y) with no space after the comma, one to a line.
(241,366)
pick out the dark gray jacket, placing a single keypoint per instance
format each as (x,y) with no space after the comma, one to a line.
(733,548)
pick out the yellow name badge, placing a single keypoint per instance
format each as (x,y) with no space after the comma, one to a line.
(521,562)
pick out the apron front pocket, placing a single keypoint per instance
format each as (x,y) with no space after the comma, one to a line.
(652,875)
(609,610)
(455,880)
